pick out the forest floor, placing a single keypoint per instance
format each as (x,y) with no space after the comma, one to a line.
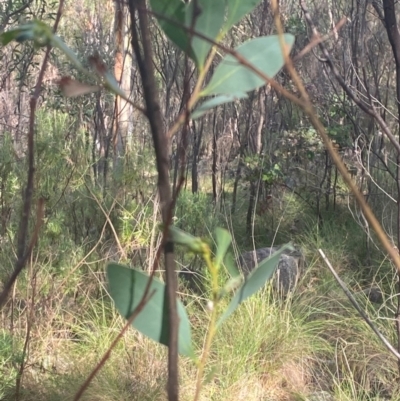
(312,345)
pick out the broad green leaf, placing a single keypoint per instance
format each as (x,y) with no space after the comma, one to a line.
(263,53)
(254,282)
(36,31)
(208,19)
(223,239)
(215,101)
(23,36)
(236,9)
(181,237)
(173,10)
(230,265)
(9,36)
(127,286)
(20,34)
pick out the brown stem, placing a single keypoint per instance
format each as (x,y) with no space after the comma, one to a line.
(143,55)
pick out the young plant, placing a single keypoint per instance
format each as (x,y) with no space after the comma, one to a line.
(128,287)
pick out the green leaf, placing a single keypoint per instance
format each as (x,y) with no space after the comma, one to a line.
(181,237)
(232,77)
(254,282)
(19,34)
(127,287)
(36,31)
(41,34)
(216,101)
(112,84)
(173,10)
(208,18)
(230,265)
(238,9)
(223,239)
(22,36)
(59,44)
(9,36)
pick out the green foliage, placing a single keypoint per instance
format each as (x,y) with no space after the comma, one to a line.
(232,80)
(9,177)
(73,211)
(296,25)
(135,224)
(223,241)
(208,19)
(299,145)
(256,167)
(196,214)
(231,76)
(272,175)
(254,282)
(171,16)
(193,244)
(9,361)
(236,10)
(127,288)
(216,101)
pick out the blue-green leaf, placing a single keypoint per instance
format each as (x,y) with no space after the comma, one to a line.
(59,44)
(173,10)
(127,287)
(223,239)
(254,282)
(208,18)
(231,266)
(215,101)
(263,53)
(194,244)
(36,31)
(238,9)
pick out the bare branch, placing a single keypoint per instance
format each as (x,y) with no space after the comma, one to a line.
(358,308)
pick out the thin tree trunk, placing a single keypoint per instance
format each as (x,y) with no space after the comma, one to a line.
(144,58)
(197,137)
(250,209)
(120,105)
(214,158)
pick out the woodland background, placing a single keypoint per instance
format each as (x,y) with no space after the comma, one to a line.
(255,166)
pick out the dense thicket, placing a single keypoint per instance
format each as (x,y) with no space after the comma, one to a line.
(255,166)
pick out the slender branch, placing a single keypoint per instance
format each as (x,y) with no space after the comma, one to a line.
(358,308)
(107,216)
(317,39)
(370,110)
(143,53)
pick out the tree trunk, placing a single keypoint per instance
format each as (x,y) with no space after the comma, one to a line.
(214,159)
(144,58)
(121,107)
(197,137)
